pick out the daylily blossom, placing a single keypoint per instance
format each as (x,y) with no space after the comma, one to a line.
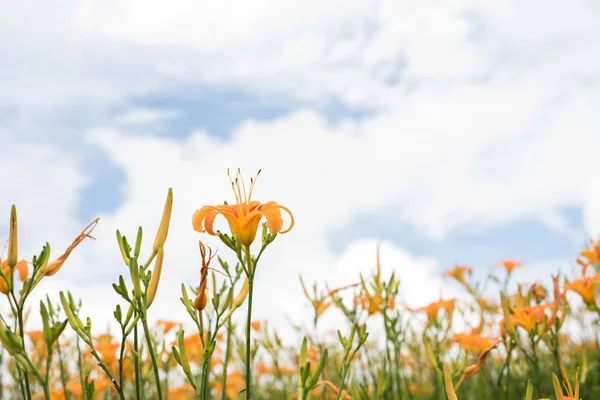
(373,305)
(591,254)
(586,288)
(167,325)
(321,306)
(244,216)
(21,267)
(432,309)
(472,342)
(532,319)
(509,265)
(458,273)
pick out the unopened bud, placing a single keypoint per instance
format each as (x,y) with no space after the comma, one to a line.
(155,277)
(508,323)
(239,299)
(13,246)
(163,228)
(202,299)
(75,322)
(450,392)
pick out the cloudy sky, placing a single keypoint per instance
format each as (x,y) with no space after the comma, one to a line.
(448,131)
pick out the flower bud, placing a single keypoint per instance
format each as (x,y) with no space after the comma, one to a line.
(163,228)
(508,323)
(450,392)
(155,277)
(239,299)
(13,246)
(202,299)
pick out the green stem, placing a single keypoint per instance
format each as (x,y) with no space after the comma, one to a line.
(22,388)
(536,367)
(397,367)
(204,378)
(251,269)
(122,356)
(22,335)
(63,374)
(152,355)
(343,381)
(136,363)
(45,382)
(388,369)
(508,357)
(42,382)
(248,334)
(167,378)
(80,364)
(107,372)
(227,355)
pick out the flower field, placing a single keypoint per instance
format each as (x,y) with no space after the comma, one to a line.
(500,340)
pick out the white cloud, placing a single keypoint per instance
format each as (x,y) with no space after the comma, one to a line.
(45,185)
(142,116)
(109,51)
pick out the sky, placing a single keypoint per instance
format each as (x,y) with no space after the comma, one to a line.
(445,132)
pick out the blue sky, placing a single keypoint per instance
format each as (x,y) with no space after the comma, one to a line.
(452,133)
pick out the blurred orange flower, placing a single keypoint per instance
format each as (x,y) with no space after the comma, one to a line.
(167,325)
(509,265)
(433,309)
(373,305)
(21,267)
(182,393)
(533,319)
(321,306)
(458,273)
(586,288)
(235,384)
(472,342)
(591,254)
(255,325)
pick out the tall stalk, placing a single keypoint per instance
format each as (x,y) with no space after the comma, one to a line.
(152,355)
(136,363)
(227,356)
(248,323)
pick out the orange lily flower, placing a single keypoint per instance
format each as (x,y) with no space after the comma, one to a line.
(586,288)
(167,325)
(432,309)
(487,304)
(21,267)
(538,291)
(235,384)
(472,342)
(532,318)
(321,306)
(255,325)
(107,348)
(458,273)
(244,216)
(509,265)
(591,254)
(182,393)
(372,306)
